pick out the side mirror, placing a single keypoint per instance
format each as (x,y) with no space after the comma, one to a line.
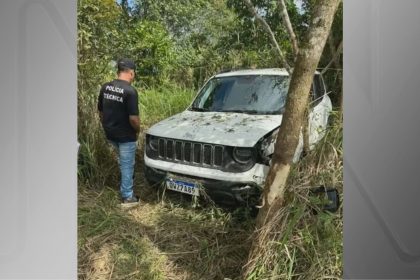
(330,195)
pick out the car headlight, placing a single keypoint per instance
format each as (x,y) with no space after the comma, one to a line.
(266,147)
(243,155)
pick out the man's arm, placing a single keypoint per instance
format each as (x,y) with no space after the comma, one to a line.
(133,110)
(135,122)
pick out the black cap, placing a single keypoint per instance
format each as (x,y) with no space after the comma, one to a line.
(125,63)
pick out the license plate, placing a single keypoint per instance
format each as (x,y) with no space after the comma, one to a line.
(180,186)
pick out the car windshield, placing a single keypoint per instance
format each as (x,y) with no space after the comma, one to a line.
(252,94)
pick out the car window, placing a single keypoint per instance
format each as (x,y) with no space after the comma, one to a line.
(317,89)
(260,94)
(319,86)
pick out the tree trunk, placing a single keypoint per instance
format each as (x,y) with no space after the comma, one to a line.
(288,24)
(306,130)
(297,100)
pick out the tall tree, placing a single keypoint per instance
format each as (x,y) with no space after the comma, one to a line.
(288,24)
(306,63)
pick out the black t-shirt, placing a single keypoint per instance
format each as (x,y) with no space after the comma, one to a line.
(117,101)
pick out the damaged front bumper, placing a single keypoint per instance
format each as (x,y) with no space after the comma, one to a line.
(226,193)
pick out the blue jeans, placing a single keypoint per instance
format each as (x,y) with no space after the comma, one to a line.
(126,156)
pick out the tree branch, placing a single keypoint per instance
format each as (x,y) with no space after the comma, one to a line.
(334,58)
(270,33)
(288,24)
(331,45)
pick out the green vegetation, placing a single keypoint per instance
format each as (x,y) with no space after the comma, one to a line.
(160,240)
(311,247)
(177,47)
(160,103)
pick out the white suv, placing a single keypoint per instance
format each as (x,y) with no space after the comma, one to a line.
(223,142)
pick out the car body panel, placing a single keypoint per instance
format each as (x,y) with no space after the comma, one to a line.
(318,120)
(230,129)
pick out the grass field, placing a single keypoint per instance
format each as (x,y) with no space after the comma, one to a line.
(170,237)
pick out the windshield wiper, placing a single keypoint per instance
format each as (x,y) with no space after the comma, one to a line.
(252,112)
(197,109)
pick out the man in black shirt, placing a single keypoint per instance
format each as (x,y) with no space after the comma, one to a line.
(119,113)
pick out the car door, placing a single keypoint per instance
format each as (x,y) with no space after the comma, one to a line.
(320,109)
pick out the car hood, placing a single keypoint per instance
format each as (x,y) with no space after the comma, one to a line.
(230,129)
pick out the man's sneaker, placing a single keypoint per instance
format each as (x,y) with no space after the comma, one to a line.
(130,202)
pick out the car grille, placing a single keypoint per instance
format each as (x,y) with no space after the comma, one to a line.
(206,155)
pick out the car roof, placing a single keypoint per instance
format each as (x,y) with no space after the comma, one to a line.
(264,71)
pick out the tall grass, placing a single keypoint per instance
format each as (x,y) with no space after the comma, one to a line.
(299,244)
(160,103)
(96,164)
(169,240)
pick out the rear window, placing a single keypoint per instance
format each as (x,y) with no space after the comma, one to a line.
(318,87)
